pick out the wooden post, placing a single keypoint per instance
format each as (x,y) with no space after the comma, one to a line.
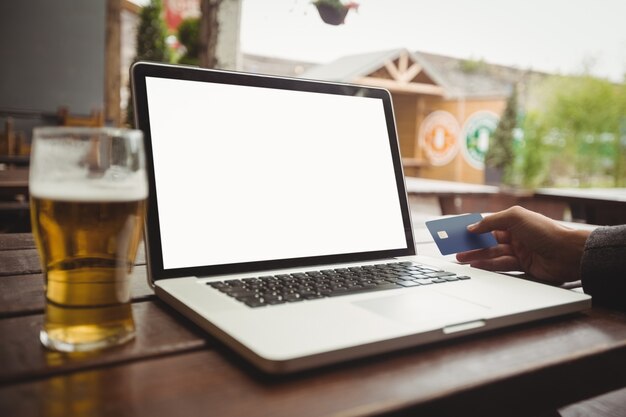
(112,77)
(419,119)
(10,135)
(458,161)
(209,30)
(4,142)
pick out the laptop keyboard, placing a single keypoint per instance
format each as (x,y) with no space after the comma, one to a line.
(289,288)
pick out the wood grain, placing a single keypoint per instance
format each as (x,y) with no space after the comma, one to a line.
(174,368)
(17,241)
(112,62)
(508,370)
(160,331)
(24,294)
(612,404)
(21,261)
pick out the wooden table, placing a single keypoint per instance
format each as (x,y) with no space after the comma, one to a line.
(457,197)
(605,206)
(14,205)
(13,182)
(173,368)
(18,160)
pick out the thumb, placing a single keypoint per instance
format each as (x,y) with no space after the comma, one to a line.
(502,220)
(474,227)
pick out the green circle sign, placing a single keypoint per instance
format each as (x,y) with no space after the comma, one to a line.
(476,136)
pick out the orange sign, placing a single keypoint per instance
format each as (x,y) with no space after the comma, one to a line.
(438,137)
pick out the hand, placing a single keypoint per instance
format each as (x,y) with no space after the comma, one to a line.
(529,242)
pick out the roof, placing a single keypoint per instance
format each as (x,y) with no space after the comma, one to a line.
(347,68)
(274,66)
(471,78)
(458,77)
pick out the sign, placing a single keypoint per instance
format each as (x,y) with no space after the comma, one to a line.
(476,135)
(438,137)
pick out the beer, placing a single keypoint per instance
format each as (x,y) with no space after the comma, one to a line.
(88,191)
(87,250)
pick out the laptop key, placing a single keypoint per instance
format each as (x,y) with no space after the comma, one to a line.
(242,294)
(441,274)
(355,287)
(312,296)
(254,303)
(292,298)
(408,283)
(364,290)
(271,296)
(274,302)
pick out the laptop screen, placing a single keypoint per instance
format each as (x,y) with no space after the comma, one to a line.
(247,174)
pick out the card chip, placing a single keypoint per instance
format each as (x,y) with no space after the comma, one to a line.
(442,234)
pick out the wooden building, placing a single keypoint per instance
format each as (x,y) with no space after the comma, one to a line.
(446,109)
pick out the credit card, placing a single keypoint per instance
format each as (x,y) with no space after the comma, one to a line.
(451,235)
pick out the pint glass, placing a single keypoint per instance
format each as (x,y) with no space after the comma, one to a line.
(88,189)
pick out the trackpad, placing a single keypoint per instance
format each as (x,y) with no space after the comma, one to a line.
(426,308)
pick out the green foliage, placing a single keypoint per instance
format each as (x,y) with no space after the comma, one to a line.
(151,43)
(619,174)
(189,36)
(500,154)
(151,34)
(576,135)
(586,113)
(583,104)
(473,65)
(532,154)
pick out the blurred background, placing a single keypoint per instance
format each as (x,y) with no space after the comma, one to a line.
(496,102)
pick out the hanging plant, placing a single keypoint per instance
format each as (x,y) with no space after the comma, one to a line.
(333,12)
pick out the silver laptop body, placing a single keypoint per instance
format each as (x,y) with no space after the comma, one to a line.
(263,182)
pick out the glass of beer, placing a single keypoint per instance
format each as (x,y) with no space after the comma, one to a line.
(88,191)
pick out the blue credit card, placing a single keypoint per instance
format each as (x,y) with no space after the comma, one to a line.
(451,235)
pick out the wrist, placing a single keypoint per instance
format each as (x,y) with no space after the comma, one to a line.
(574,247)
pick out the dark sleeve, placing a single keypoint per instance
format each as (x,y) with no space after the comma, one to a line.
(603,266)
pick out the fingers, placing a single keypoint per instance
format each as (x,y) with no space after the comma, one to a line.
(503,263)
(496,258)
(502,220)
(502,236)
(485,254)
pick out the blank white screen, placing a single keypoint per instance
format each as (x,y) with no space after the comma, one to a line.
(249,174)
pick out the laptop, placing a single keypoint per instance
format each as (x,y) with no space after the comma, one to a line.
(278,222)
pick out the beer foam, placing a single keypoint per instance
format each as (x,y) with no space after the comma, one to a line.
(130,188)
